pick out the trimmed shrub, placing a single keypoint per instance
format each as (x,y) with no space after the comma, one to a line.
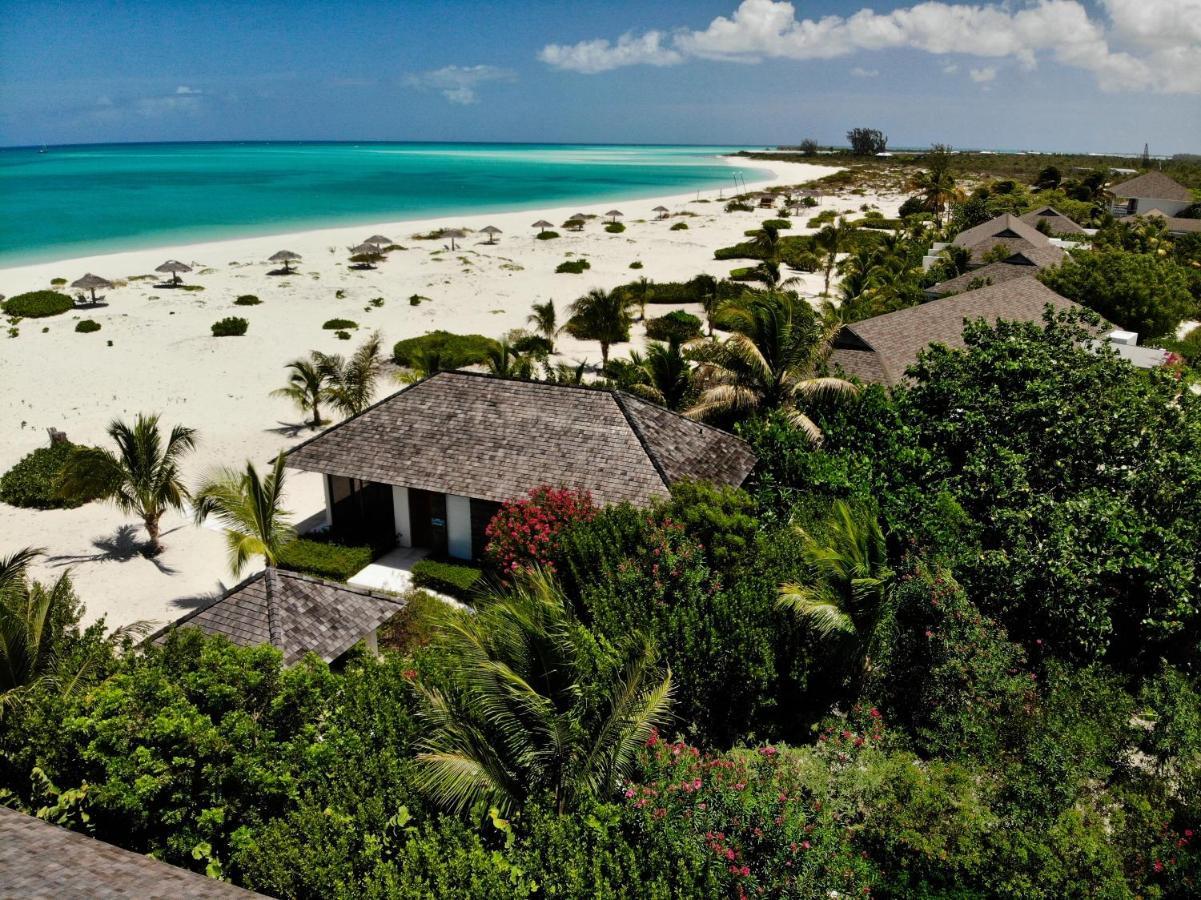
(33,482)
(325,557)
(247,300)
(454,350)
(778,224)
(636,264)
(573,267)
(546,235)
(675,328)
(445,577)
(339,324)
(679,226)
(87,326)
(58,282)
(38,304)
(230,326)
(615,228)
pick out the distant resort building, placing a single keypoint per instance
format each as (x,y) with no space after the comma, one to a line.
(1155,195)
(1056,221)
(1022,264)
(1015,235)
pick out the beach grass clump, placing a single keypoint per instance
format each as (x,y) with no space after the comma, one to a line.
(191,287)
(58,282)
(679,226)
(38,305)
(778,224)
(34,482)
(573,267)
(453,351)
(230,326)
(340,324)
(546,235)
(417,300)
(739,206)
(325,557)
(87,326)
(745,273)
(636,264)
(615,228)
(247,300)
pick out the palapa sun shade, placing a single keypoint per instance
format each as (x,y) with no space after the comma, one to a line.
(174,267)
(378,239)
(285,257)
(662,211)
(453,234)
(542,225)
(492,231)
(366,252)
(614,214)
(90,282)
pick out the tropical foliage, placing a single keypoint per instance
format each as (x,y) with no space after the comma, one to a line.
(250,507)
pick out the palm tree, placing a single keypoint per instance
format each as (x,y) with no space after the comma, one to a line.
(667,372)
(601,316)
(529,715)
(422,364)
(767,242)
(831,241)
(849,579)
(352,383)
(936,183)
(563,373)
(306,387)
(707,293)
(768,363)
(142,477)
(505,362)
(646,290)
(251,509)
(544,319)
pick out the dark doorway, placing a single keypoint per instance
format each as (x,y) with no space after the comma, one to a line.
(427,515)
(362,511)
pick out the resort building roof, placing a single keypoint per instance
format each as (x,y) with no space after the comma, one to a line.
(880,349)
(494,439)
(1172,223)
(39,859)
(1003,228)
(1020,265)
(1060,224)
(1155,185)
(295,613)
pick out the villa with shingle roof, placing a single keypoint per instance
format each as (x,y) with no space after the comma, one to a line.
(295,613)
(1151,191)
(1019,265)
(1174,224)
(430,465)
(1056,221)
(1005,230)
(41,860)
(880,349)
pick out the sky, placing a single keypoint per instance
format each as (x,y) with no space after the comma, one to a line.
(1088,75)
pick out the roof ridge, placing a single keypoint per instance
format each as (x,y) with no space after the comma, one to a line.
(619,399)
(275,630)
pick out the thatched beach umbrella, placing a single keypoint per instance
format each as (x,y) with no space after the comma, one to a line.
(492,231)
(365,253)
(614,214)
(577,221)
(542,225)
(378,239)
(90,282)
(285,257)
(454,233)
(174,267)
(662,211)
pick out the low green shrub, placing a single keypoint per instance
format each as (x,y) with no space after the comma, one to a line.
(1188,347)
(454,350)
(532,343)
(546,235)
(342,335)
(247,300)
(326,557)
(636,264)
(33,482)
(58,282)
(679,226)
(675,328)
(615,228)
(230,326)
(445,577)
(38,304)
(739,206)
(809,202)
(339,324)
(573,267)
(87,326)
(778,224)
(416,299)
(825,217)
(745,273)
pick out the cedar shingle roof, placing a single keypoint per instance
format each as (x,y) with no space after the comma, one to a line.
(40,860)
(1005,229)
(294,613)
(890,343)
(1152,186)
(1060,224)
(1019,265)
(495,439)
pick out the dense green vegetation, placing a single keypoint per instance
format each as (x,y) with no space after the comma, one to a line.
(452,350)
(87,326)
(455,579)
(37,305)
(325,557)
(230,326)
(35,481)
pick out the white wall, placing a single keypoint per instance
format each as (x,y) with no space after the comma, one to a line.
(1167,207)
(458,526)
(400,510)
(329,503)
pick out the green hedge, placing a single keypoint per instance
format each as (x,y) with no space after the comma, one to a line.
(247,300)
(339,324)
(325,557)
(573,267)
(455,579)
(779,224)
(87,326)
(615,228)
(675,327)
(230,326)
(455,350)
(546,235)
(38,304)
(679,226)
(33,482)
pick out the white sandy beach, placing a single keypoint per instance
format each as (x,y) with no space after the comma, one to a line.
(163,359)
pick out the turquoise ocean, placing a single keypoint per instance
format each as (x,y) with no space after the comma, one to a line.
(63,202)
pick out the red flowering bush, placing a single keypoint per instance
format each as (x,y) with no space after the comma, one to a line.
(524,534)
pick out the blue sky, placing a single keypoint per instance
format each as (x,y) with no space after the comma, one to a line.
(1043,74)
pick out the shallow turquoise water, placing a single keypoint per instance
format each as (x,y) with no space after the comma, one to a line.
(72,201)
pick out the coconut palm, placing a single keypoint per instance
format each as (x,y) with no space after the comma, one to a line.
(667,374)
(936,184)
(351,383)
(142,477)
(563,373)
(545,320)
(530,714)
(644,290)
(306,387)
(707,294)
(601,316)
(505,362)
(831,241)
(848,581)
(768,363)
(250,507)
(767,242)
(422,364)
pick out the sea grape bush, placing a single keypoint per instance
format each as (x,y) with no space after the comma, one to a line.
(524,533)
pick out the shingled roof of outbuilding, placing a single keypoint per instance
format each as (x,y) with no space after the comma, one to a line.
(1172,223)
(295,613)
(1004,229)
(496,438)
(889,344)
(1060,224)
(40,860)
(1019,265)
(1153,186)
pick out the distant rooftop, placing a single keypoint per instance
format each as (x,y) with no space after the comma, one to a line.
(1154,186)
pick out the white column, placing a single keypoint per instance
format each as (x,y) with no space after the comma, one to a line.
(458,526)
(329,502)
(400,509)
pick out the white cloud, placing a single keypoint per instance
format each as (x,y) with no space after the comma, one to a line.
(599,55)
(458,83)
(184,90)
(984,74)
(1144,45)
(860,72)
